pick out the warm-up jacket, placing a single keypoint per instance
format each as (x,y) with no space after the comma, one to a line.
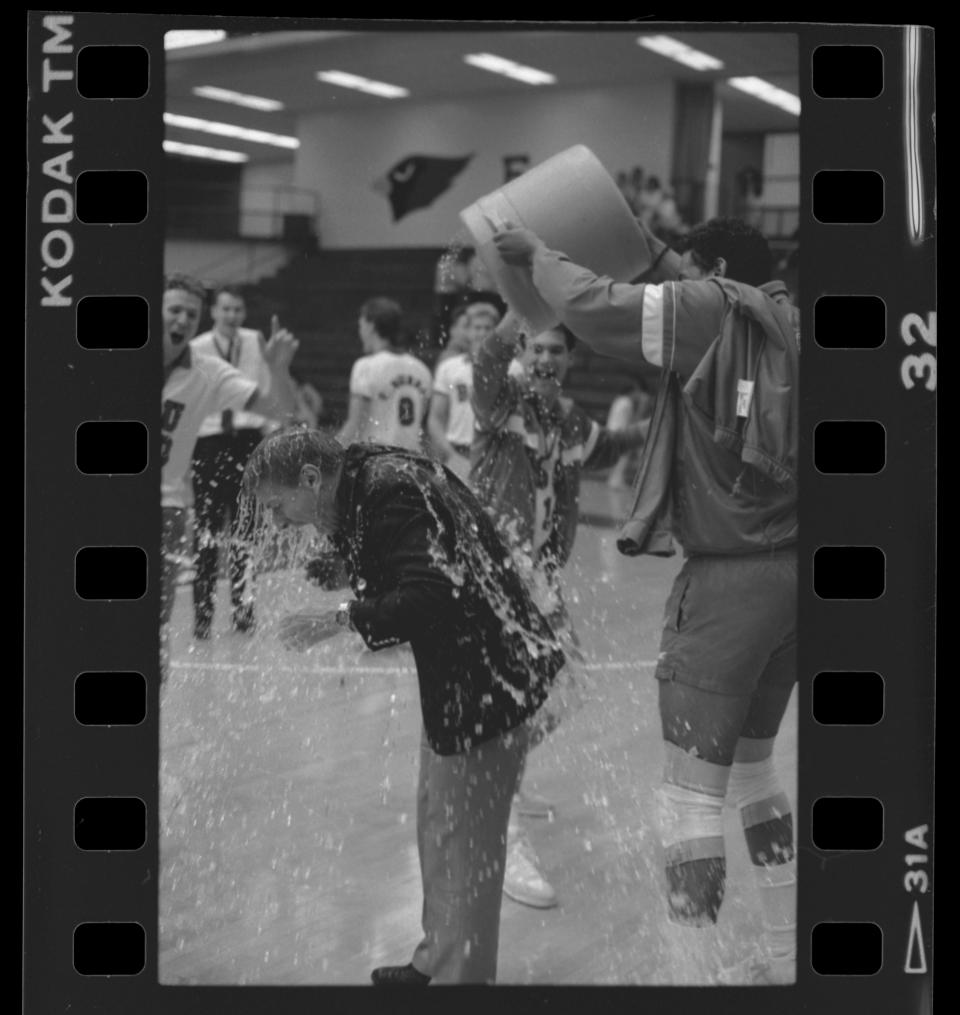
(719,466)
(508,436)
(428,568)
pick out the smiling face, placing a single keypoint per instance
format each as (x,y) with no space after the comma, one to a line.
(546,360)
(181,316)
(228,313)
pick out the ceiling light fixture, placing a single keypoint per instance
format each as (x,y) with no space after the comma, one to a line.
(673,49)
(238,98)
(508,68)
(230,130)
(199,151)
(361,84)
(178,40)
(767,92)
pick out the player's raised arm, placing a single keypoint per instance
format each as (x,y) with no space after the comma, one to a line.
(281,400)
(491,368)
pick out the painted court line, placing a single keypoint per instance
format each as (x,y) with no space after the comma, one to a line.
(321,671)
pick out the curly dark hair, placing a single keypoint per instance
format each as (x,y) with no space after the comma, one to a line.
(744,248)
(178,280)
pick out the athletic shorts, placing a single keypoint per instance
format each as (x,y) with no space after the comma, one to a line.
(730,624)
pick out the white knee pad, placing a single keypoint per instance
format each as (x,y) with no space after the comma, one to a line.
(751,782)
(687,814)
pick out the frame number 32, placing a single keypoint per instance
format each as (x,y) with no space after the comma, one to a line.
(919,366)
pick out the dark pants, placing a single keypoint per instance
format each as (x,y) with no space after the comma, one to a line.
(218,464)
(173,548)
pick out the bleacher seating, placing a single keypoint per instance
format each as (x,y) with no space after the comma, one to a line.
(318,296)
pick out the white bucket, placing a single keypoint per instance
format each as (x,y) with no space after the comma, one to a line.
(572,203)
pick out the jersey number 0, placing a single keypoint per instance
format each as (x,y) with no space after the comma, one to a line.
(405,411)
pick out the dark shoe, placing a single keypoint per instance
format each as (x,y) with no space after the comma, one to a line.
(399,976)
(243,620)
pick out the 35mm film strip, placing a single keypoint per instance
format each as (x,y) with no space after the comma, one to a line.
(94,264)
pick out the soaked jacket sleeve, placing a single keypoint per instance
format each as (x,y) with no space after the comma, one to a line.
(414,595)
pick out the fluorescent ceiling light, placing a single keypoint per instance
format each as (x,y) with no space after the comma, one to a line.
(238,98)
(761,89)
(345,80)
(517,71)
(178,40)
(679,51)
(200,151)
(230,130)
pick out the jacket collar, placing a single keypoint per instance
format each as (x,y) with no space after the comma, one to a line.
(354,459)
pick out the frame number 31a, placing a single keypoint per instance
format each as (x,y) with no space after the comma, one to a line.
(920,366)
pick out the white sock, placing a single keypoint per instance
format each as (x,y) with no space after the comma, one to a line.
(778,895)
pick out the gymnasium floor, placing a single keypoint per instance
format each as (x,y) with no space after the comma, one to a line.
(288,851)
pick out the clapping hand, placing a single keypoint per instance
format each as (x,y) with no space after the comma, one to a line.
(281,347)
(298,631)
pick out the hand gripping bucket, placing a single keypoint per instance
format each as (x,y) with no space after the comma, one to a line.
(572,203)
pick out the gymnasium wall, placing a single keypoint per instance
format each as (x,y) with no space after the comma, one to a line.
(342,154)
(781,169)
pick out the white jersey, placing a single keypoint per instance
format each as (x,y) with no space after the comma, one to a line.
(243,353)
(398,386)
(546,495)
(455,380)
(192,392)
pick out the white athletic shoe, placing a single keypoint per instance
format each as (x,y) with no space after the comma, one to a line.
(522,880)
(529,805)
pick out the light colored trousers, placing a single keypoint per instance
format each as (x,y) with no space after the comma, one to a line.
(463,806)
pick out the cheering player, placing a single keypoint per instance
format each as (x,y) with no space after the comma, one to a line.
(530,445)
(193,387)
(224,444)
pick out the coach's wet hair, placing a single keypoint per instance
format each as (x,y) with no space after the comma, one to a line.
(279,457)
(744,248)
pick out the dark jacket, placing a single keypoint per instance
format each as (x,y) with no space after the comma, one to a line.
(429,568)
